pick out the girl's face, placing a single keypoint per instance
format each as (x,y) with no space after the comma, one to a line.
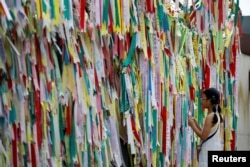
(205,102)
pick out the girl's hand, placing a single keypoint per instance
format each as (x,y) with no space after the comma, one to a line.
(191,121)
(195,121)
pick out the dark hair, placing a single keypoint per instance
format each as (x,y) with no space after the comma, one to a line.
(214,96)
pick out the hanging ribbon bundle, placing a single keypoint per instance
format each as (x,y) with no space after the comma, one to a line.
(95,83)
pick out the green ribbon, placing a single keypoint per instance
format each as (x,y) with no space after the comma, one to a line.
(163,18)
(166,95)
(89,154)
(103,153)
(183,38)
(4,86)
(230,89)
(162,159)
(66,55)
(32,106)
(235,122)
(128,60)
(155,129)
(189,76)
(96,158)
(200,112)
(29,71)
(184,113)
(124,102)
(12,116)
(44,7)
(62,123)
(105,13)
(160,14)
(117,20)
(72,142)
(166,64)
(13,73)
(53,134)
(25,156)
(236,13)
(52,9)
(67,9)
(133,79)
(80,55)
(132,16)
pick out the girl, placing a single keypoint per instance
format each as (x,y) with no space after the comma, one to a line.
(210,133)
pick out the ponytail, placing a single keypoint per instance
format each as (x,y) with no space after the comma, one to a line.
(217,108)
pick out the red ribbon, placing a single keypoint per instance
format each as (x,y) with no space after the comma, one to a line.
(110,25)
(82,14)
(220,16)
(38,54)
(96,81)
(79,69)
(150,6)
(202,23)
(38,119)
(164,130)
(213,52)
(68,121)
(239,23)
(14,146)
(192,93)
(137,137)
(207,76)
(33,155)
(233,143)
(149,52)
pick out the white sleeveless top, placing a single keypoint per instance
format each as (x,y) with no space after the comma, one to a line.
(212,144)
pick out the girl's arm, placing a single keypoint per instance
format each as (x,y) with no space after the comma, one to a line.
(197,125)
(202,133)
